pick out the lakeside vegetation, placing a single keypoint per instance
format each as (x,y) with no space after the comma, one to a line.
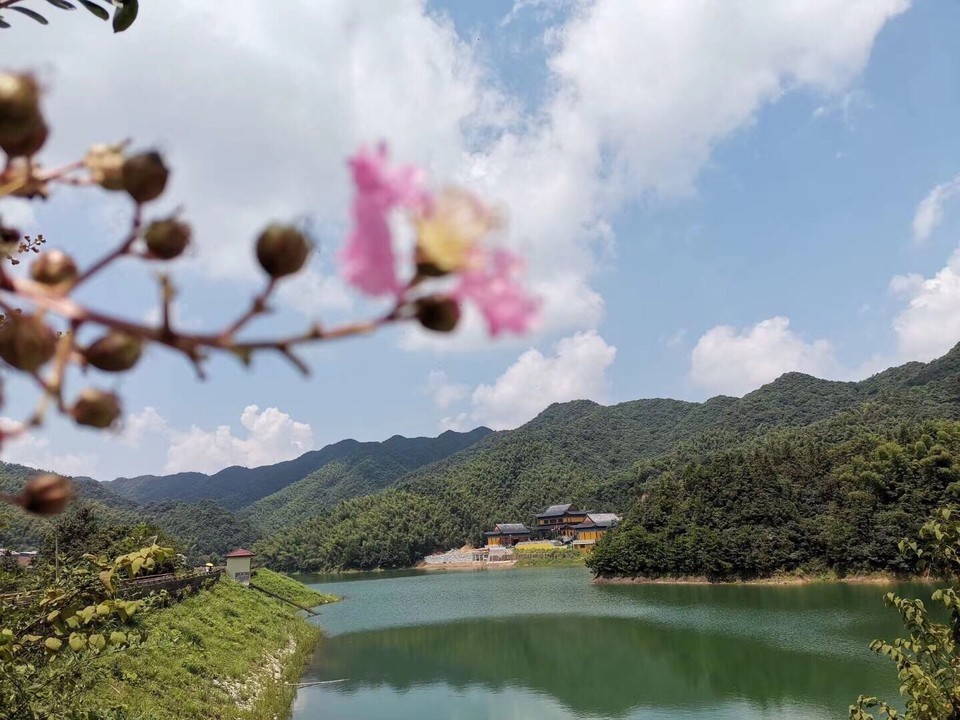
(237,655)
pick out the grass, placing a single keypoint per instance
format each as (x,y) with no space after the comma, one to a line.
(556,557)
(228,653)
(290,589)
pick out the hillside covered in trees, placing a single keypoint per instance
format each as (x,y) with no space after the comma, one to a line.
(608,457)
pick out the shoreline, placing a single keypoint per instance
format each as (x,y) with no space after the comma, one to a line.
(782,580)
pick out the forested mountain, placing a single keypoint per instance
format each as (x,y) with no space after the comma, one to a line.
(601,457)
(369,468)
(237,487)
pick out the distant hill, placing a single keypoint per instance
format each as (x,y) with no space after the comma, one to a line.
(236,487)
(369,467)
(597,456)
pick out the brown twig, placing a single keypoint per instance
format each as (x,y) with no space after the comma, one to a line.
(118,252)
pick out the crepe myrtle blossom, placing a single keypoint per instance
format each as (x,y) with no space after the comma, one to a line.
(367,260)
(451,226)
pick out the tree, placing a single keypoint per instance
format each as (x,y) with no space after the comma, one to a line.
(928,660)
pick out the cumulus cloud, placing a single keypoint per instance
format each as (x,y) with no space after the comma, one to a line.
(141,426)
(929,325)
(733,362)
(929,213)
(34,450)
(271,437)
(444,392)
(576,370)
(282,98)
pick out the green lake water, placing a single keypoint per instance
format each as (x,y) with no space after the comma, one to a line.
(547,644)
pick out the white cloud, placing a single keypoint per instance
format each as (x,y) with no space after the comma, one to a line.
(576,370)
(444,392)
(271,437)
(929,325)
(141,426)
(33,450)
(929,213)
(675,341)
(732,362)
(282,98)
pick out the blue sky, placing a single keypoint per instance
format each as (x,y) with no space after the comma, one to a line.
(708,194)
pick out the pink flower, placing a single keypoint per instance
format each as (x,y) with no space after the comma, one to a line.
(367,260)
(492,282)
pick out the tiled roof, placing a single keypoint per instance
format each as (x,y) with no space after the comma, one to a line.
(557,510)
(239,552)
(509,529)
(604,519)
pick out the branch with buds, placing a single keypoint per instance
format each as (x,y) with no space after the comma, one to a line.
(453,267)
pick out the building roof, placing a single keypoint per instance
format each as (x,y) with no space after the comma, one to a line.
(558,510)
(598,520)
(509,529)
(239,552)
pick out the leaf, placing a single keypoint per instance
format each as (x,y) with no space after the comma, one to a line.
(97,642)
(117,638)
(124,16)
(3,23)
(31,14)
(52,644)
(95,9)
(135,566)
(62,4)
(77,642)
(106,577)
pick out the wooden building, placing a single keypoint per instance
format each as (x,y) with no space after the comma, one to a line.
(507,534)
(594,527)
(560,520)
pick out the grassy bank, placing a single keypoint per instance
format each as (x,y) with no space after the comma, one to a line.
(558,557)
(226,653)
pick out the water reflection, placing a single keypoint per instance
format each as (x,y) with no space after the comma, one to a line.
(547,644)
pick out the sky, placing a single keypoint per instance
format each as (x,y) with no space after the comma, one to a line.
(708,194)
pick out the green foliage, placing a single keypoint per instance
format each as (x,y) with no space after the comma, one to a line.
(124,13)
(833,496)
(290,589)
(49,632)
(208,657)
(928,660)
(204,530)
(747,465)
(391,529)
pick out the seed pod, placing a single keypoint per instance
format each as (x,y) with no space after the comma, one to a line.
(166,239)
(46,494)
(282,250)
(20,115)
(114,352)
(30,142)
(105,163)
(54,268)
(96,408)
(145,176)
(26,342)
(438,313)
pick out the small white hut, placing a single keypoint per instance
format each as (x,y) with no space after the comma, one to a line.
(238,565)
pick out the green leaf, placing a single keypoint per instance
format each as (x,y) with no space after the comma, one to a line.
(4,24)
(117,638)
(95,9)
(77,642)
(125,15)
(106,577)
(52,644)
(135,566)
(62,4)
(97,641)
(30,14)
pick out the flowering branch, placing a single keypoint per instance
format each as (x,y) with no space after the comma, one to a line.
(451,227)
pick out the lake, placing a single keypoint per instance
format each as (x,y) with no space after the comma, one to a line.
(548,644)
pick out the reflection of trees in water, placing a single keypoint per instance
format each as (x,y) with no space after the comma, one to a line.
(595,666)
